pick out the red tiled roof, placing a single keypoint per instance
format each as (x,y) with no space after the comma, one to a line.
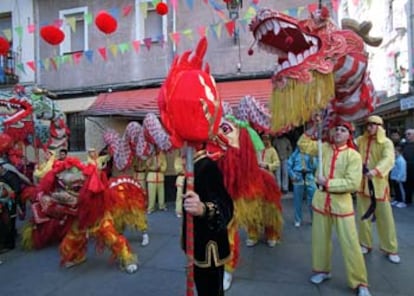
(137,103)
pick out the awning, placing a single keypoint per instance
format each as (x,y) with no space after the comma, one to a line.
(137,103)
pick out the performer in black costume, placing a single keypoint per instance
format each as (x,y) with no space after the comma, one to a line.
(212,209)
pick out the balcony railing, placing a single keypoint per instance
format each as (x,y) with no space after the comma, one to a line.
(8,69)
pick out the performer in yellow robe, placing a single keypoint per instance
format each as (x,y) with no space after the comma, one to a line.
(378,158)
(140,172)
(157,165)
(179,166)
(43,168)
(333,207)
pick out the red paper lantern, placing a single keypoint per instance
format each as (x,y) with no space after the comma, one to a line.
(52,35)
(4,46)
(106,23)
(161,8)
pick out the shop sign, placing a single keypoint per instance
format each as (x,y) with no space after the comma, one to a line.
(407,103)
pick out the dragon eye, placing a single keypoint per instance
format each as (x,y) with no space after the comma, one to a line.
(227,128)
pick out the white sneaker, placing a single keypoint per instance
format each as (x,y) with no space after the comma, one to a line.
(364,250)
(297,224)
(227,279)
(401,205)
(363,291)
(272,243)
(394,202)
(131,268)
(251,242)
(145,240)
(394,258)
(320,277)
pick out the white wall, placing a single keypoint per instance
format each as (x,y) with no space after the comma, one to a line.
(22,16)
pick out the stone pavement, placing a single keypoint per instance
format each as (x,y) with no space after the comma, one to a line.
(283,270)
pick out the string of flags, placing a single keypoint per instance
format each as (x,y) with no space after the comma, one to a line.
(116,13)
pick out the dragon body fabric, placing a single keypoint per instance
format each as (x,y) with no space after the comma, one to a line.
(318,67)
(73,200)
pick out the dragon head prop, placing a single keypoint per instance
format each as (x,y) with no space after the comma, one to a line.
(318,66)
(189,104)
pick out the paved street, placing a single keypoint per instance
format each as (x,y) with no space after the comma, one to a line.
(283,270)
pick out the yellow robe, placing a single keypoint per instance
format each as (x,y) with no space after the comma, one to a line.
(378,155)
(333,208)
(156,165)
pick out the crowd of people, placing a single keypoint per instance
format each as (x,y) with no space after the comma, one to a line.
(372,172)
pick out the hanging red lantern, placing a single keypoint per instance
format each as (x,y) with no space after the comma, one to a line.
(4,46)
(162,8)
(106,23)
(52,35)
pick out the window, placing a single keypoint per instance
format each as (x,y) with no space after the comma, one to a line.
(75,29)
(149,23)
(76,124)
(7,62)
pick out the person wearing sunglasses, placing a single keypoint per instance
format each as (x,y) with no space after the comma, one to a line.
(333,207)
(377,152)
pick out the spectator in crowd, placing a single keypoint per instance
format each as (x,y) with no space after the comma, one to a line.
(378,157)
(268,158)
(284,149)
(179,166)
(333,207)
(398,177)
(63,153)
(10,189)
(157,165)
(408,154)
(301,168)
(395,137)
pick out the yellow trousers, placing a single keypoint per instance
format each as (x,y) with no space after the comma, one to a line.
(179,183)
(348,240)
(155,189)
(385,225)
(140,177)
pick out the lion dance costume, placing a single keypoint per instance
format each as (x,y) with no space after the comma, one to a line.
(73,203)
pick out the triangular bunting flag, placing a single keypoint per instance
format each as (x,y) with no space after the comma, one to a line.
(46,64)
(124,47)
(19,31)
(293,12)
(188,33)
(77,57)
(114,49)
(41,65)
(88,18)
(20,66)
(114,11)
(143,7)
(175,37)
(126,10)
(53,63)
(89,55)
(31,65)
(202,31)
(174,4)
(312,7)
(102,51)
(230,26)
(8,34)
(136,44)
(190,4)
(148,42)
(335,5)
(31,28)
(72,23)
(58,23)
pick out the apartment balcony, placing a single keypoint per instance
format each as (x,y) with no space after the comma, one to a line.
(8,75)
